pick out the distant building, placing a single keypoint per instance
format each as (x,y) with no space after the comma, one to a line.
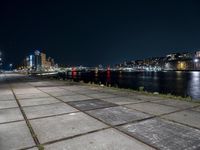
(32,61)
(172,56)
(38,62)
(186,55)
(43,59)
(139,62)
(173,61)
(197,54)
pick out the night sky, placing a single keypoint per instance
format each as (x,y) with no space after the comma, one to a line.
(98,32)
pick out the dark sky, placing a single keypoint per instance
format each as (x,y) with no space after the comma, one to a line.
(98,32)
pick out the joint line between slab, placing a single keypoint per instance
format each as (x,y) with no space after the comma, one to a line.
(26,119)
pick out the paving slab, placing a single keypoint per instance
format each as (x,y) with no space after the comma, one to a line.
(5,91)
(61,93)
(19,85)
(76,88)
(91,87)
(15,136)
(101,95)
(12,114)
(38,101)
(145,97)
(121,100)
(109,90)
(86,91)
(188,117)
(35,148)
(68,87)
(196,109)
(25,90)
(58,127)
(7,97)
(48,110)
(40,83)
(50,89)
(77,97)
(91,104)
(8,104)
(31,95)
(177,103)
(4,84)
(46,83)
(117,115)
(152,108)
(109,139)
(164,134)
(120,93)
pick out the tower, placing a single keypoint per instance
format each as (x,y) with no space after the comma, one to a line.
(37,60)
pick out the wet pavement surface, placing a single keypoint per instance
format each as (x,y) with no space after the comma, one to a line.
(62,115)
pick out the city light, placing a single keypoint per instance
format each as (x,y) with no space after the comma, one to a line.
(1,59)
(196,60)
(181,65)
(31,60)
(10,65)
(37,52)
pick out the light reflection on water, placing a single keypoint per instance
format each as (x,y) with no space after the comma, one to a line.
(194,85)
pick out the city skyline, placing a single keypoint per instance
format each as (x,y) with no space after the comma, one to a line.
(38,61)
(92,33)
(171,56)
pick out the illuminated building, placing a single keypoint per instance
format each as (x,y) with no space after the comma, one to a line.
(182,65)
(31,61)
(172,56)
(43,59)
(186,55)
(46,64)
(197,54)
(37,60)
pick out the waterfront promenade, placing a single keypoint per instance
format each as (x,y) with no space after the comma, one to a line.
(61,115)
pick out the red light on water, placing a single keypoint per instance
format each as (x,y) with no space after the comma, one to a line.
(108,74)
(74,72)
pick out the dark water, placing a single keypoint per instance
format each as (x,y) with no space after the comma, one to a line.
(173,82)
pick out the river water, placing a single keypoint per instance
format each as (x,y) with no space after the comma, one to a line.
(177,83)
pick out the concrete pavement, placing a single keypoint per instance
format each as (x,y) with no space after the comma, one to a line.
(60,115)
